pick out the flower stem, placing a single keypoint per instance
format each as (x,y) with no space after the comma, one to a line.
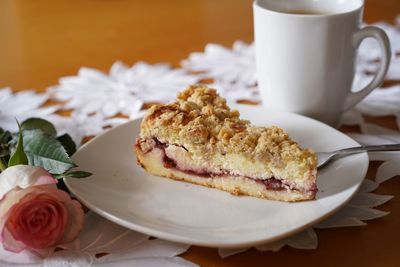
(3,165)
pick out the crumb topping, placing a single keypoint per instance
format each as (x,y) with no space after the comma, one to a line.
(204,125)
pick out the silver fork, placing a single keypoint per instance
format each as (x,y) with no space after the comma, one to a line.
(325,157)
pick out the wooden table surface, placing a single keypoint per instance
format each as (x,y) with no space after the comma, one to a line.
(43,40)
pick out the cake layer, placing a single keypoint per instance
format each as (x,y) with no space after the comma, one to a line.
(179,158)
(157,162)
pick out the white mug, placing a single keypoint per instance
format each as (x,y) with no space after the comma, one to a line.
(305,55)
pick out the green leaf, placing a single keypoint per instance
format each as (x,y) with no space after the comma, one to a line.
(5,137)
(3,165)
(19,156)
(73,174)
(67,143)
(4,151)
(44,150)
(39,124)
(57,176)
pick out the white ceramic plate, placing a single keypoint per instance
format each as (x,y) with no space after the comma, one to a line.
(124,193)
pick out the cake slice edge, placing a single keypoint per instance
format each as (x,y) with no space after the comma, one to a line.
(153,161)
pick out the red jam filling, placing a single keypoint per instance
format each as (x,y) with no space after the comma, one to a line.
(271,183)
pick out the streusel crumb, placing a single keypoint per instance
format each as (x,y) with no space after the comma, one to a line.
(201,122)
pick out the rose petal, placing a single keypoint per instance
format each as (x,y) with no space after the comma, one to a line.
(45,179)
(10,244)
(6,203)
(35,198)
(23,176)
(75,221)
(75,215)
(15,216)
(45,233)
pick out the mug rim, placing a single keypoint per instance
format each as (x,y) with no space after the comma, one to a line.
(257,5)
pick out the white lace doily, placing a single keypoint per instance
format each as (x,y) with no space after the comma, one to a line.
(97,98)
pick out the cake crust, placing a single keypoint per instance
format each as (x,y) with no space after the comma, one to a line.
(201,121)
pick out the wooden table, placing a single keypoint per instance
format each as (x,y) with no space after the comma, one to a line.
(43,40)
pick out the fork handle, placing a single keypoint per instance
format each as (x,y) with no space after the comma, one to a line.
(350,150)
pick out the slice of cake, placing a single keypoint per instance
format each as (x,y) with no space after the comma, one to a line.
(198,139)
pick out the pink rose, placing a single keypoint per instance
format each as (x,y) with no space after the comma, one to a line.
(34,214)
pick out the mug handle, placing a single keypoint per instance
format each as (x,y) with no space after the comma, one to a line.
(383,41)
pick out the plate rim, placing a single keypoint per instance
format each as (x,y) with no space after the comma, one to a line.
(187,240)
